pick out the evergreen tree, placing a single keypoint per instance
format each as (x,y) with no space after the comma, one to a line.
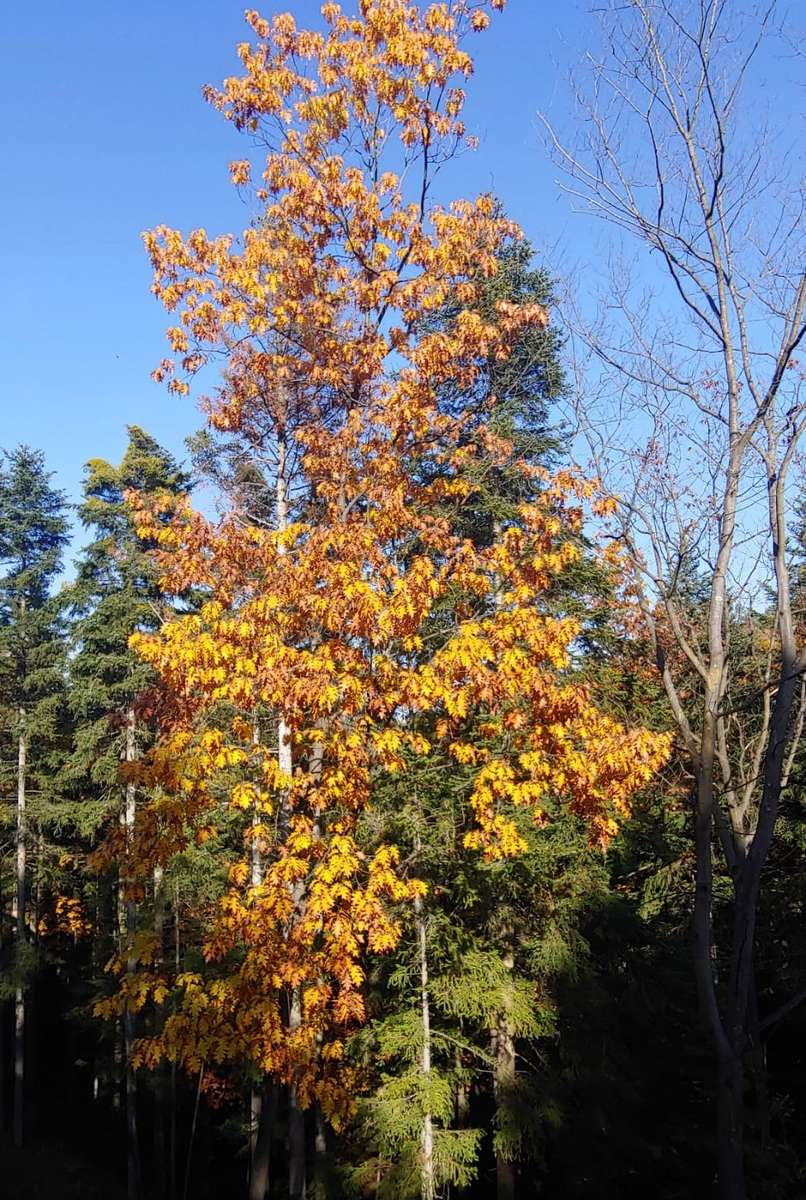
(33,534)
(117,593)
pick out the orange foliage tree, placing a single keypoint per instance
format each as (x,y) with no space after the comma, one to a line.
(301,675)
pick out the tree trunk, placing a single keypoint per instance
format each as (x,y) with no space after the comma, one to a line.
(730,1117)
(758,1073)
(296,1116)
(264,1117)
(2,1043)
(117,1060)
(427,1186)
(129,1031)
(296,1119)
(160,1174)
(462,1092)
(504,1086)
(320,1157)
(173,1147)
(19,997)
(192,1139)
(257,1100)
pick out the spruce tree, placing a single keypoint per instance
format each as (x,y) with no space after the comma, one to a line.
(117,593)
(33,534)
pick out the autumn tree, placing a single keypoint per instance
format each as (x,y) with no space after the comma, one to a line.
(33,534)
(474,938)
(701,350)
(299,678)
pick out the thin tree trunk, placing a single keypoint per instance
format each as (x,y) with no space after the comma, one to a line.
(192,1138)
(504,1086)
(159,1173)
(462,1104)
(257,1096)
(758,1061)
(730,1121)
(117,1061)
(2,1042)
(129,1031)
(264,1121)
(173,1151)
(320,1156)
(296,1118)
(428,1186)
(19,998)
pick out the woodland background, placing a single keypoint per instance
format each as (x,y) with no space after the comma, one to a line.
(602,1001)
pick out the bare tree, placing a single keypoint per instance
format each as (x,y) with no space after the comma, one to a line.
(692,409)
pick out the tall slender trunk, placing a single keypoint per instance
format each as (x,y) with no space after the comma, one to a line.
(730,1122)
(98,924)
(296,1118)
(285,761)
(504,1085)
(159,1175)
(728,1039)
(320,1156)
(2,1038)
(117,1068)
(428,1184)
(462,1092)
(20,898)
(257,1096)
(129,1030)
(263,1099)
(173,1148)
(264,1120)
(192,1139)
(758,1071)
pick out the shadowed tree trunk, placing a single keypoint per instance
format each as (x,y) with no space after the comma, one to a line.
(20,933)
(160,1173)
(264,1120)
(428,1183)
(296,1119)
(129,1031)
(504,1084)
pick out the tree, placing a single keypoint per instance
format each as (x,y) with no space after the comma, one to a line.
(699,448)
(33,534)
(315,626)
(116,594)
(475,935)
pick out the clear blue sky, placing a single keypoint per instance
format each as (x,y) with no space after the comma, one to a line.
(105,134)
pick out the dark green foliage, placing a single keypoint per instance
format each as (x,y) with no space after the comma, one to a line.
(33,713)
(33,534)
(510,399)
(116,593)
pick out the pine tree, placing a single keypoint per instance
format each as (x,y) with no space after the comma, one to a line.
(33,534)
(116,594)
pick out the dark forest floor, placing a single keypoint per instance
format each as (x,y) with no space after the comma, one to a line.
(42,1172)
